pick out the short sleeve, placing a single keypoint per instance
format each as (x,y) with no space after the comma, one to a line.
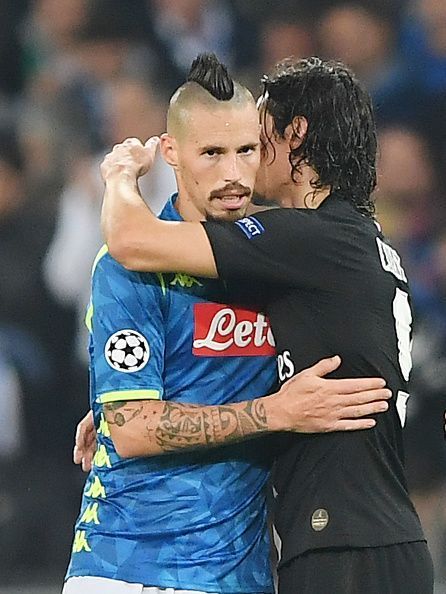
(285,247)
(127,334)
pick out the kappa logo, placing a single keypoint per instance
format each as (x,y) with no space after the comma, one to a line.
(251,227)
(185,281)
(224,331)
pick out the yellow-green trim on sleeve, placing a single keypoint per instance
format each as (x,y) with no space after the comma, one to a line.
(89,317)
(99,256)
(124,395)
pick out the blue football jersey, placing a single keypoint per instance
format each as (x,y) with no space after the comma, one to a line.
(197,520)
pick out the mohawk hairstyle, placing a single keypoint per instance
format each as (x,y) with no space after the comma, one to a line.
(212,75)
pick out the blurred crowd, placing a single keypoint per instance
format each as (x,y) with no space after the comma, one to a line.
(78,76)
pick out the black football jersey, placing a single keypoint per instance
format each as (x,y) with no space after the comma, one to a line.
(331,285)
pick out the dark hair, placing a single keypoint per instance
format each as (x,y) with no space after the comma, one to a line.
(212,75)
(340,143)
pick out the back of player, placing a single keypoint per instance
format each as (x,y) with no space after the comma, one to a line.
(343,512)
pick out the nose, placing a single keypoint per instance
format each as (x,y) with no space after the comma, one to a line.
(231,172)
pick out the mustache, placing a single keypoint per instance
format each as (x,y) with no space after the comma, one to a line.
(236,188)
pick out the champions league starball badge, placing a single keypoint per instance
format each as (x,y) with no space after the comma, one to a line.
(127,351)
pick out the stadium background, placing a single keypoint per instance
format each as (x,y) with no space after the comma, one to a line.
(77,76)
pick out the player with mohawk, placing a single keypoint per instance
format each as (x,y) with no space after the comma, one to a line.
(176,371)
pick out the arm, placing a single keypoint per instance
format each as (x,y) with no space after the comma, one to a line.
(307,403)
(135,237)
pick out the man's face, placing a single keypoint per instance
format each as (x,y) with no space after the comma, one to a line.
(218,156)
(274,175)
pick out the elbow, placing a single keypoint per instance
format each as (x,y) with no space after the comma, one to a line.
(123,251)
(132,448)
(125,449)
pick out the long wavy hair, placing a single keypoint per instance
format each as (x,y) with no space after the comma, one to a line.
(340,143)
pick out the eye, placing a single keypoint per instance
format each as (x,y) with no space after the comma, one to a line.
(211,151)
(248,149)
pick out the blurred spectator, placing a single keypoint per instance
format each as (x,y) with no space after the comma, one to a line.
(130,110)
(423,42)
(49,36)
(285,35)
(76,59)
(35,339)
(362,34)
(178,30)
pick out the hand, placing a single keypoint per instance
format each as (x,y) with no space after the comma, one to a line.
(130,158)
(85,442)
(308,403)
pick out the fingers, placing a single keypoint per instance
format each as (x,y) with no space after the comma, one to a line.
(364,410)
(364,397)
(324,366)
(77,455)
(87,462)
(360,384)
(84,441)
(152,141)
(84,427)
(353,425)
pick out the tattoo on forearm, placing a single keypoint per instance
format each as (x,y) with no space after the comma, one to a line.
(187,426)
(117,414)
(182,427)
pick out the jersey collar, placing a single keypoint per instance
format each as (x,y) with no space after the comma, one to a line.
(169,212)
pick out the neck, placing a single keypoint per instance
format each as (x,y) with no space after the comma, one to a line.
(302,194)
(187,210)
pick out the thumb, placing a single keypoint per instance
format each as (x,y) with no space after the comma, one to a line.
(325,366)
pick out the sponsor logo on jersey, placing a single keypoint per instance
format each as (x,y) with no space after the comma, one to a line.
(225,331)
(251,227)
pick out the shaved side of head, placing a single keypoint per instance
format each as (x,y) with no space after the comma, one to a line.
(192,97)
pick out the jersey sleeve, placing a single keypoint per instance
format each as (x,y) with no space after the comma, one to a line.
(284,247)
(127,334)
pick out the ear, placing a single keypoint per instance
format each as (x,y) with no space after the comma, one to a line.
(169,150)
(296,131)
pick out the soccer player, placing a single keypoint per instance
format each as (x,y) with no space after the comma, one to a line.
(192,521)
(330,283)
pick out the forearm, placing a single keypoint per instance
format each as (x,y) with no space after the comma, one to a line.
(140,241)
(127,223)
(152,428)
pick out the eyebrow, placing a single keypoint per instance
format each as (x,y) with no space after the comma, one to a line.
(211,147)
(215,147)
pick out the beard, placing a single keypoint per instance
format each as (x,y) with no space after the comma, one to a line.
(228,216)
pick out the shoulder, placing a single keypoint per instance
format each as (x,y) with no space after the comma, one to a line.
(285,224)
(106,269)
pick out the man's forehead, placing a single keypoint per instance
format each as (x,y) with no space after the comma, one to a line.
(240,119)
(225,110)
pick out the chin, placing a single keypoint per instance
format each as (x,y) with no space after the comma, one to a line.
(226,215)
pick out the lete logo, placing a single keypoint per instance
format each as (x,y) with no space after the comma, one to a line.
(223,331)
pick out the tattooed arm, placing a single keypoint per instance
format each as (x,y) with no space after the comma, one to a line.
(307,403)
(150,427)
